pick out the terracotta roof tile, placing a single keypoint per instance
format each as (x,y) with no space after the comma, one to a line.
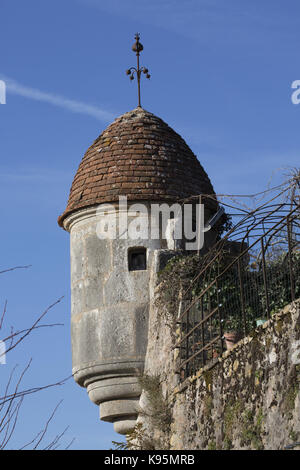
(140,156)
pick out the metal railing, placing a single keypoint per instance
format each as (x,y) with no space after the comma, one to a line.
(250,274)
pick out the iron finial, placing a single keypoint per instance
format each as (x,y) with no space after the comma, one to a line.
(137,48)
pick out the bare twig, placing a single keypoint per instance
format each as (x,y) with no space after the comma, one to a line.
(54,444)
(29,391)
(46,426)
(3,314)
(16,267)
(17,333)
(29,330)
(11,401)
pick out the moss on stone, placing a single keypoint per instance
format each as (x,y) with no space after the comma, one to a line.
(252,429)
(137,439)
(208,378)
(208,405)
(268,343)
(227,444)
(212,445)
(278,326)
(159,409)
(258,377)
(231,414)
(293,435)
(289,400)
(243,425)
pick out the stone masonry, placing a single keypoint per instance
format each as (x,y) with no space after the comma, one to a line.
(249,399)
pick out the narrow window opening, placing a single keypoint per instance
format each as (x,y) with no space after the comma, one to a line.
(137,260)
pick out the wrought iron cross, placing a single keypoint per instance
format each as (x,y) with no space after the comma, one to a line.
(138,47)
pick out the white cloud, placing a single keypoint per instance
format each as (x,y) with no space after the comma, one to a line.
(56,100)
(197,19)
(33,176)
(182,17)
(210,22)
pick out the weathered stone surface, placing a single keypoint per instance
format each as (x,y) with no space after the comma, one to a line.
(248,400)
(110,309)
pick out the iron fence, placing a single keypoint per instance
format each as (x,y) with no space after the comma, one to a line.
(250,274)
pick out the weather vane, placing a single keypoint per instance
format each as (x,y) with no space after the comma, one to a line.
(138,47)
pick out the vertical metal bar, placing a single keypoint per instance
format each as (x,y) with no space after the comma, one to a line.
(206,324)
(211,336)
(242,295)
(193,341)
(181,347)
(187,342)
(265,277)
(219,310)
(288,222)
(202,332)
(198,227)
(208,327)
(138,73)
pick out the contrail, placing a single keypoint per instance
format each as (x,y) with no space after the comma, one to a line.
(72,105)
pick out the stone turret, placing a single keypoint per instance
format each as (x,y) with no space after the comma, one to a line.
(140,157)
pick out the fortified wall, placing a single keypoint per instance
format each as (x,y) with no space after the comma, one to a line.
(248,398)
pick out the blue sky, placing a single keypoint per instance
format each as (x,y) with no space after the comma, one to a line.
(221,75)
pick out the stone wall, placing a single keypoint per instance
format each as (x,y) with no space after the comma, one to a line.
(248,400)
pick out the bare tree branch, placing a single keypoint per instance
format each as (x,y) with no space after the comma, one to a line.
(16,267)
(29,391)
(54,444)
(3,314)
(29,330)
(13,396)
(17,333)
(46,426)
